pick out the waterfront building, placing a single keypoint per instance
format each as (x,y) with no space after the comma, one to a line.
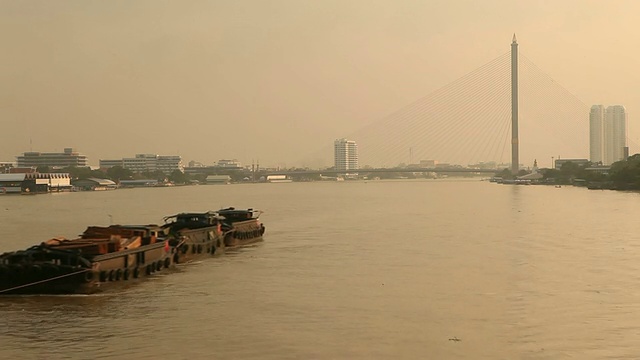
(6,166)
(11,183)
(580,162)
(229,164)
(615,134)
(596,134)
(141,163)
(107,164)
(607,134)
(533,176)
(138,183)
(94,184)
(345,155)
(169,163)
(218,179)
(34,182)
(223,166)
(68,158)
(278,179)
(428,164)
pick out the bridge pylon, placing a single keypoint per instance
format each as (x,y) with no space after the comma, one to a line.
(515,159)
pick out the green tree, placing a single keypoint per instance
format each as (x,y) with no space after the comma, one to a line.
(156,175)
(77,173)
(567,173)
(626,172)
(505,174)
(178,177)
(118,173)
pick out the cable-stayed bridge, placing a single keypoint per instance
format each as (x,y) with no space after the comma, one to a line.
(469,122)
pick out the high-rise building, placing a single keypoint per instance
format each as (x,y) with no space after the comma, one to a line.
(596,134)
(345,155)
(68,158)
(607,134)
(615,134)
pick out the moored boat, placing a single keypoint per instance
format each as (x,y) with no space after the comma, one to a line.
(241,227)
(101,258)
(194,235)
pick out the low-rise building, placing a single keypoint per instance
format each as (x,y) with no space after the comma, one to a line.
(229,164)
(278,179)
(218,179)
(138,183)
(34,182)
(11,183)
(428,164)
(107,164)
(141,163)
(95,184)
(6,166)
(68,158)
(580,162)
(223,166)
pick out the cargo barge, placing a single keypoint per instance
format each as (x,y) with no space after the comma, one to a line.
(241,227)
(194,235)
(106,257)
(101,258)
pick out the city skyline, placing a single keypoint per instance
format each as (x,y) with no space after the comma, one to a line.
(254,81)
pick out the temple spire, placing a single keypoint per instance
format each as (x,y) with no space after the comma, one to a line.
(515,41)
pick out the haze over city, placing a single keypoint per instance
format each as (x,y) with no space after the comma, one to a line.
(277,81)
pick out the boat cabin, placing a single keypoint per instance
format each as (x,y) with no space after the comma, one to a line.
(233,215)
(191,220)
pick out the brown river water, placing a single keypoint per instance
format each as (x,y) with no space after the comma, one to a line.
(433,269)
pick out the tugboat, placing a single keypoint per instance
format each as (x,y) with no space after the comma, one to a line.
(194,235)
(101,258)
(241,227)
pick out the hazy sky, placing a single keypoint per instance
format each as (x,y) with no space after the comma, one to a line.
(274,80)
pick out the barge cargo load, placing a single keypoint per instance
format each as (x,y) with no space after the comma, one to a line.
(102,258)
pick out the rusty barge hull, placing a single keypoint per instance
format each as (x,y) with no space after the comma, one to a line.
(195,235)
(82,266)
(105,258)
(244,233)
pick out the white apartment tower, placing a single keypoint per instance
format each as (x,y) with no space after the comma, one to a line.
(615,134)
(607,134)
(596,134)
(345,154)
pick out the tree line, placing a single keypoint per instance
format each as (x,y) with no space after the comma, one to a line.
(624,174)
(118,173)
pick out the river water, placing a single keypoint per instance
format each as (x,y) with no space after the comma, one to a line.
(433,269)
